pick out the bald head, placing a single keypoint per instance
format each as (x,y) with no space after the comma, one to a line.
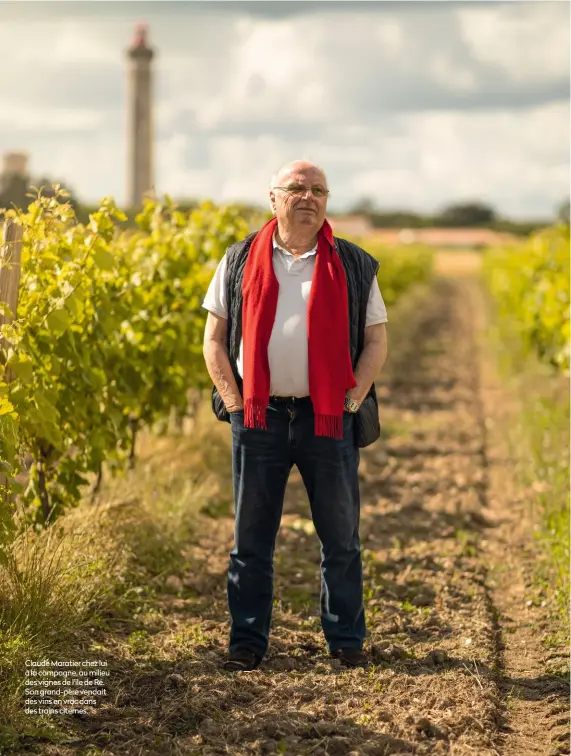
(285,172)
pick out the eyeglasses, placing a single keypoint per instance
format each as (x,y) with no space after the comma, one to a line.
(299,191)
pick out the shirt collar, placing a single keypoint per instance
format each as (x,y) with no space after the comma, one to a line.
(285,251)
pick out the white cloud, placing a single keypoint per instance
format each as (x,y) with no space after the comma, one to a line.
(526,41)
(25,118)
(429,161)
(415,104)
(458,78)
(390,35)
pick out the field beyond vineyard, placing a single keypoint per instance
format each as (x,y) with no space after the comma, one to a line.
(463,541)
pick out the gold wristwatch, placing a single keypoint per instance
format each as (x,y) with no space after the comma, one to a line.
(351,405)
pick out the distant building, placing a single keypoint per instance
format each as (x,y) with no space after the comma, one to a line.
(14,180)
(351,225)
(140,175)
(15,164)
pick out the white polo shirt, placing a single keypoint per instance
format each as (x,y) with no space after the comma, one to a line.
(287,349)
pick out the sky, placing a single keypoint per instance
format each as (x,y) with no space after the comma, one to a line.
(413,105)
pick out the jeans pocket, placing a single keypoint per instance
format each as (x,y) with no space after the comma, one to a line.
(236,418)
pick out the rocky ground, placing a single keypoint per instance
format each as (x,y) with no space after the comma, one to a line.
(465,659)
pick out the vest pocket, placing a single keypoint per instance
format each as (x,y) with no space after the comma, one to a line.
(218,406)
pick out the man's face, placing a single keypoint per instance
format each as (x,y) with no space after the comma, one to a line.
(296,206)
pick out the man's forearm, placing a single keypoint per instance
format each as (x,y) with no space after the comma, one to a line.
(367,370)
(220,371)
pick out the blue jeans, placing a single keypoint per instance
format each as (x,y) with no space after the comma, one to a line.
(261,463)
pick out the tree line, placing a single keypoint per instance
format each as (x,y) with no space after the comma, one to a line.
(15,192)
(458,215)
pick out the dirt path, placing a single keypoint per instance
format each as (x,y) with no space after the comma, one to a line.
(460,667)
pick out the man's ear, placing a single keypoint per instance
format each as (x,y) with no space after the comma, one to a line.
(272,202)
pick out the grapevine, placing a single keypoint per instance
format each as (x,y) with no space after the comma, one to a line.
(530,287)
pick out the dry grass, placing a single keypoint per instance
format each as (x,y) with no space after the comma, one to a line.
(99,564)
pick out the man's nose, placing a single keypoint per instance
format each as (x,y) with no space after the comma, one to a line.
(304,195)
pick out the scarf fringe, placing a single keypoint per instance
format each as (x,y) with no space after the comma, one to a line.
(255,413)
(329,425)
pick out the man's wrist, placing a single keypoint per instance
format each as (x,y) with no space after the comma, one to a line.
(355,393)
(234,407)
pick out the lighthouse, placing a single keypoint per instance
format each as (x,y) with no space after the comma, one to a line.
(139,118)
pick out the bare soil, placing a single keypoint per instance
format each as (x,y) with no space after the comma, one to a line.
(466,661)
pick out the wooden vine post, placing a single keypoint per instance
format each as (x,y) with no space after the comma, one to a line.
(10,268)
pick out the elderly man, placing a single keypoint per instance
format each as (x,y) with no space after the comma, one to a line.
(294,340)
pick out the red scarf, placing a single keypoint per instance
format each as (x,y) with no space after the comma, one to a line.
(329,359)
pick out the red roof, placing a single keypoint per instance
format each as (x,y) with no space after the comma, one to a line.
(360,226)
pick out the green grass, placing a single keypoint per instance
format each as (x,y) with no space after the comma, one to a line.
(545,426)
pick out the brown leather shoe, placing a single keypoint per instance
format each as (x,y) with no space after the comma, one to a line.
(351,657)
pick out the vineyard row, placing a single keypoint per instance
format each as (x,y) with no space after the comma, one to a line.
(107,337)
